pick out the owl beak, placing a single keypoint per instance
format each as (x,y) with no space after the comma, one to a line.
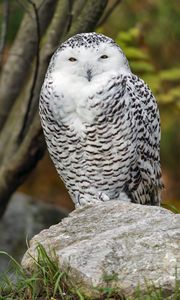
(89,75)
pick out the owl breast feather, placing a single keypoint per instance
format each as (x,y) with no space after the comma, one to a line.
(83,103)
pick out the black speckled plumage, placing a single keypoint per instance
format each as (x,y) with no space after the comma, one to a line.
(104,135)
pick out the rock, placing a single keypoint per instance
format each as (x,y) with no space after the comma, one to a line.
(24,218)
(129,243)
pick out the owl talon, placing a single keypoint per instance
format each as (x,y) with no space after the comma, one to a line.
(103,197)
(87,200)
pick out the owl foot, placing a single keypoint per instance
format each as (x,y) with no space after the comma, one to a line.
(103,197)
(84,200)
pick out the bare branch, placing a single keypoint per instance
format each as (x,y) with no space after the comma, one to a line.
(77,7)
(69,15)
(21,56)
(88,17)
(16,115)
(23,6)
(108,12)
(38,33)
(15,170)
(4,28)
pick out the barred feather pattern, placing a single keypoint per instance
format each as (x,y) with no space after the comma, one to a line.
(114,149)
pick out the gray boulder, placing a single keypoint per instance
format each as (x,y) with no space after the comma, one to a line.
(24,218)
(130,243)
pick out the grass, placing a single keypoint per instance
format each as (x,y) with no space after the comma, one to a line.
(47,282)
(171,207)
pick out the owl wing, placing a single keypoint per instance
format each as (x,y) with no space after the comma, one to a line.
(145,175)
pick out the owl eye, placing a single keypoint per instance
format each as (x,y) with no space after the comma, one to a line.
(72,59)
(104,56)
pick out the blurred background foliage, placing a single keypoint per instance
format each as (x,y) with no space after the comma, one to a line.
(148,31)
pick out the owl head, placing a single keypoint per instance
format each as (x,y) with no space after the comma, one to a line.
(89,55)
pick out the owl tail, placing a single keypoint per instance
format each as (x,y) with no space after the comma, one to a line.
(147,195)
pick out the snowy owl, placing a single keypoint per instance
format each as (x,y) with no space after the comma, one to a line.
(101,123)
